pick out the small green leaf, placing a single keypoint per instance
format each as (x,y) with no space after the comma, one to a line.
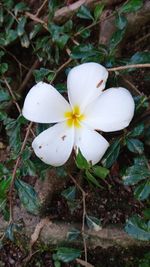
(28,168)
(82,51)
(91,178)
(1,15)
(20,7)
(100,171)
(138,130)
(81,162)
(131,6)
(3,68)
(28,196)
(21,26)
(98,11)
(25,40)
(137,228)
(4,185)
(73,234)
(13,131)
(121,21)
(84,13)
(135,145)
(116,38)
(142,191)
(69,193)
(65,254)
(93,223)
(37,28)
(140,58)
(111,154)
(134,174)
(4,95)
(41,74)
(11,36)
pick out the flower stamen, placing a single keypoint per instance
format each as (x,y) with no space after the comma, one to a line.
(74,117)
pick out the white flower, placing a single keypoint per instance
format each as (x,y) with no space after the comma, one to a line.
(90,108)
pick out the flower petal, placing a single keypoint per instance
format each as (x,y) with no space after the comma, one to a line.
(86,82)
(54,145)
(92,144)
(112,111)
(45,104)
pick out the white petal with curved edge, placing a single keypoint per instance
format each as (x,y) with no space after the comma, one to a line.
(45,104)
(54,145)
(112,111)
(91,144)
(86,82)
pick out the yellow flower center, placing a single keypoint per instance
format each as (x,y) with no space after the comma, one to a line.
(74,117)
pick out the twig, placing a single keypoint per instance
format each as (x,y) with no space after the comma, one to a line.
(40,8)
(83,215)
(132,85)
(28,75)
(15,170)
(60,68)
(14,99)
(36,19)
(147,65)
(12,94)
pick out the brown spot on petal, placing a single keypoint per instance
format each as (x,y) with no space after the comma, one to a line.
(40,147)
(99,84)
(63,137)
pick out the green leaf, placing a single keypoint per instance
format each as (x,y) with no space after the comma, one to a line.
(81,162)
(83,51)
(141,161)
(84,13)
(69,193)
(93,223)
(37,28)
(142,191)
(1,15)
(116,38)
(20,7)
(138,130)
(21,26)
(131,6)
(4,186)
(13,131)
(41,74)
(141,103)
(98,11)
(140,58)
(137,228)
(91,178)
(65,254)
(73,234)
(25,40)
(28,196)
(100,172)
(121,21)
(135,174)
(11,35)
(135,145)
(28,168)
(3,68)
(111,154)
(4,95)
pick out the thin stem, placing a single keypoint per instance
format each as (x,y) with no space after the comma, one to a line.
(83,215)
(132,85)
(60,68)
(12,94)
(40,8)
(147,65)
(15,170)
